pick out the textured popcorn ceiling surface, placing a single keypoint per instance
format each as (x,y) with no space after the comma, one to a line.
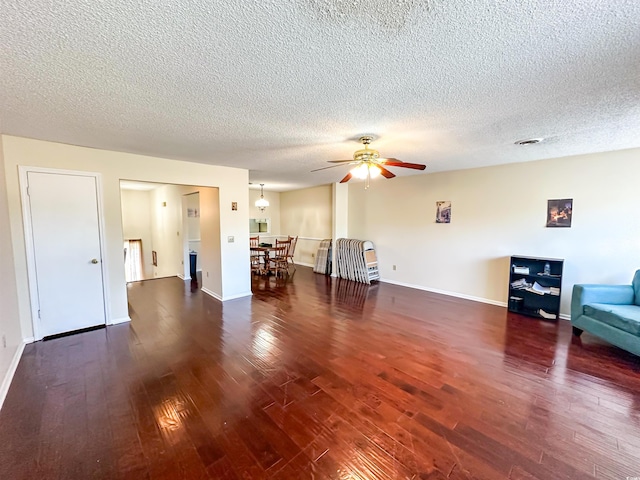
(281,86)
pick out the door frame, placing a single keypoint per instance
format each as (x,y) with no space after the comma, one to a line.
(29,245)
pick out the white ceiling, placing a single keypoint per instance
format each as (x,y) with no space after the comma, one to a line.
(280,87)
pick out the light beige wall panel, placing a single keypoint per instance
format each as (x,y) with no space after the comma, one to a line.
(211,241)
(501,211)
(167,234)
(114,166)
(11,334)
(272,212)
(307,213)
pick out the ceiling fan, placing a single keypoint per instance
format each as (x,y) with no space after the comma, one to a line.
(368,164)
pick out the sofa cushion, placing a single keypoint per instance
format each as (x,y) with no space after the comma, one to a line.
(624,317)
(636,286)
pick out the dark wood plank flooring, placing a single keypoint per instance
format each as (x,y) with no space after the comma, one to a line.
(320,378)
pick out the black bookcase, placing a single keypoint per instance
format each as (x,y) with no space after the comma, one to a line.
(533,289)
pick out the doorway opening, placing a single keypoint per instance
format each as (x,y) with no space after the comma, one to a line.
(172,230)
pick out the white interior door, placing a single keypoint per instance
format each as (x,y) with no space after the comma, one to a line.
(65,228)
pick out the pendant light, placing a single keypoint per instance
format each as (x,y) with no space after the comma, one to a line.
(262,203)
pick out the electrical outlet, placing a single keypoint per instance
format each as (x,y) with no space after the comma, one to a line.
(207,274)
(313,255)
(394,267)
(231,239)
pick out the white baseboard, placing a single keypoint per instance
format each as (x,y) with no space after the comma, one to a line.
(239,295)
(562,316)
(446,292)
(29,340)
(6,382)
(116,321)
(211,294)
(304,264)
(182,277)
(231,297)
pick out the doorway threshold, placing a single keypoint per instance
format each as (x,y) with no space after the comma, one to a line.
(72,332)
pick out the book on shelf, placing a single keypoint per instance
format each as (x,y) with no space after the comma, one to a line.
(520,284)
(521,270)
(539,289)
(547,315)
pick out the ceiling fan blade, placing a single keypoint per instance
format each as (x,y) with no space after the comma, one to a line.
(385,173)
(324,168)
(346,178)
(341,161)
(397,163)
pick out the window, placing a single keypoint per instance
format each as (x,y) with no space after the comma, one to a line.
(133,260)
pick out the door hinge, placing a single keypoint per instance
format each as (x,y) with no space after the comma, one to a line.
(39,314)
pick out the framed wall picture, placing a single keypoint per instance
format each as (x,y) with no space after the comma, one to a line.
(559,212)
(443,212)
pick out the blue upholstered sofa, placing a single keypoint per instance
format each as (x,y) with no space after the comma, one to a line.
(611,312)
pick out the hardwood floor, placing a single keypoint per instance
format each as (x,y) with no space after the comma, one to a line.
(320,378)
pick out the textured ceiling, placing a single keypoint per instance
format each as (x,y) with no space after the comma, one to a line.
(279,87)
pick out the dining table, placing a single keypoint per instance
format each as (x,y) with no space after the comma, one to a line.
(265,252)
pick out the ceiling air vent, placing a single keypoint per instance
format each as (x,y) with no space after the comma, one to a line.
(529,141)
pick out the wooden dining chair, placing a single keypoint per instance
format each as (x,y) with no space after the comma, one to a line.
(256,258)
(292,248)
(278,263)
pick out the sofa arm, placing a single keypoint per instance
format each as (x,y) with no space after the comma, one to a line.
(611,294)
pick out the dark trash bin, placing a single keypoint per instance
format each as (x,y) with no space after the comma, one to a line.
(192,263)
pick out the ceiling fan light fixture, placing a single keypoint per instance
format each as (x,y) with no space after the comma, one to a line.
(369,164)
(365,170)
(262,202)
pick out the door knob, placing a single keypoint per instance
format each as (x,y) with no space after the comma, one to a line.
(94,261)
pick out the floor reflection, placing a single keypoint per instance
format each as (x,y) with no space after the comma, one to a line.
(530,339)
(320,378)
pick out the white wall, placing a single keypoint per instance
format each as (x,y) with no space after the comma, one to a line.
(272,212)
(10,331)
(192,231)
(232,184)
(136,224)
(307,213)
(501,211)
(166,229)
(210,243)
